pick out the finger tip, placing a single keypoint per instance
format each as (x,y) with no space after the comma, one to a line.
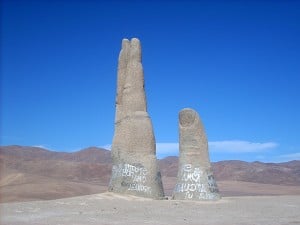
(125,42)
(187,117)
(135,40)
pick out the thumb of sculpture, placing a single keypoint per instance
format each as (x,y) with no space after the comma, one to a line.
(195,180)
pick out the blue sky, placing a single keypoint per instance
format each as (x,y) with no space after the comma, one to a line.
(235,62)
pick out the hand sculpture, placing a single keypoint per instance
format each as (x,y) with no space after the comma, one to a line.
(195,179)
(135,170)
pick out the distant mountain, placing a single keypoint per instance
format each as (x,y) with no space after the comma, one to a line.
(90,164)
(32,173)
(287,173)
(91,154)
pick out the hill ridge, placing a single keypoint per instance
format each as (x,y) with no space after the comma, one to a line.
(30,173)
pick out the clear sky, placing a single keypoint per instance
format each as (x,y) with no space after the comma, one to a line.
(237,63)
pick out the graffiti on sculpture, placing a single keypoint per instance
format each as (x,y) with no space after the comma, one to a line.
(134,177)
(196,182)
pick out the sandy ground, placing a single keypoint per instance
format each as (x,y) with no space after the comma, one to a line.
(108,208)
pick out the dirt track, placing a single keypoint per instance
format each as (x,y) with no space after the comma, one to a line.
(108,208)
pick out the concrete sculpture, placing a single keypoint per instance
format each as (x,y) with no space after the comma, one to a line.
(195,180)
(135,169)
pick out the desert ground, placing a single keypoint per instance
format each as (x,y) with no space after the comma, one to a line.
(112,209)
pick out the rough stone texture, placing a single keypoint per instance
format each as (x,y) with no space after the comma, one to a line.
(195,180)
(135,169)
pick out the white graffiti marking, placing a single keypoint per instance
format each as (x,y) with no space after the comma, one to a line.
(136,174)
(187,168)
(189,195)
(196,181)
(186,187)
(131,171)
(139,187)
(191,175)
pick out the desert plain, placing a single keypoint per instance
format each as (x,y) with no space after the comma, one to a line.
(112,209)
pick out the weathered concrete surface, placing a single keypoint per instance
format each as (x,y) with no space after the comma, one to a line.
(135,168)
(112,209)
(195,180)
